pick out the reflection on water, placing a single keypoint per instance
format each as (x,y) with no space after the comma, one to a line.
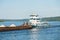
(34,34)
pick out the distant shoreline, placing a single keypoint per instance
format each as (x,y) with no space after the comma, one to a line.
(51,19)
(43,19)
(2,20)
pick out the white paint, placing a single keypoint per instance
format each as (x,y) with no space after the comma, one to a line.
(34,19)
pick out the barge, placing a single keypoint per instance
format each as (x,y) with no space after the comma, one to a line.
(22,27)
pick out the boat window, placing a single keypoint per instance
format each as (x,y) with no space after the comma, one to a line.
(38,19)
(32,15)
(36,15)
(32,18)
(35,19)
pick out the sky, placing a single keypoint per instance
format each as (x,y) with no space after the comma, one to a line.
(21,9)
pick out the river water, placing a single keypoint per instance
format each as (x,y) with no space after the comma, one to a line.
(52,33)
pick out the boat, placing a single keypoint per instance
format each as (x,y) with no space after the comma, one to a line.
(13,27)
(35,21)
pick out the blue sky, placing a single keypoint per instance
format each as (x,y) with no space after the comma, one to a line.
(19,9)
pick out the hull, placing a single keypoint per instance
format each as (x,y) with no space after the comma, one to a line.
(34,26)
(15,28)
(40,26)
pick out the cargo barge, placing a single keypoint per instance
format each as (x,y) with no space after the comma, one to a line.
(22,27)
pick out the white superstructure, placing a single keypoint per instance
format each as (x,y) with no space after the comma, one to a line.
(34,20)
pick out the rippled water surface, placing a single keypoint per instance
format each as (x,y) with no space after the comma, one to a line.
(52,33)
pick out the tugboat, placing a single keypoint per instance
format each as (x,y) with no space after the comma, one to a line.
(36,22)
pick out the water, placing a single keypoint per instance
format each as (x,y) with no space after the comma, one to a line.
(33,34)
